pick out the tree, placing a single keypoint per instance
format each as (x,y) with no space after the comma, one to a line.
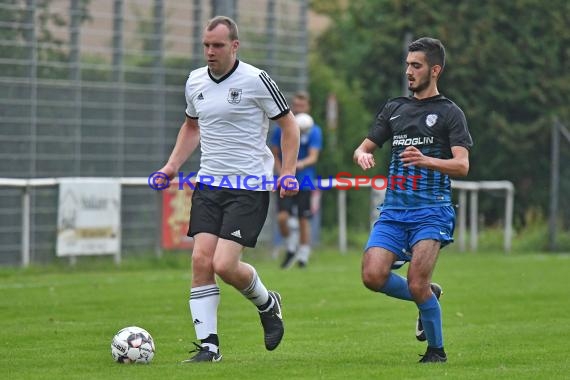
(19,17)
(353,122)
(507,67)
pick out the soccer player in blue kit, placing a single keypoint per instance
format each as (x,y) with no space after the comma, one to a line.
(311,143)
(430,144)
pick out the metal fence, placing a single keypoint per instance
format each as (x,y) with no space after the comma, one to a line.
(560,136)
(95,89)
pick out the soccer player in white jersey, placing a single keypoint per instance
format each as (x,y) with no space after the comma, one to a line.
(229,104)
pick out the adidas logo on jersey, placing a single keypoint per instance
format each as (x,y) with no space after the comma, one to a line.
(236,233)
(200,97)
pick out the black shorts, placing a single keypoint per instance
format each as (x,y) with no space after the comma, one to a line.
(302,200)
(232,214)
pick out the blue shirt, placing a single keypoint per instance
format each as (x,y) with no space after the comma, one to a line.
(312,139)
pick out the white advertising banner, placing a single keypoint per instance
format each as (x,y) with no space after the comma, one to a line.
(89,217)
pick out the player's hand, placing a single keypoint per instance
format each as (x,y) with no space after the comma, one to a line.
(169,172)
(287,185)
(365,160)
(412,156)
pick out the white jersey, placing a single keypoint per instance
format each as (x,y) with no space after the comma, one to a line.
(233,114)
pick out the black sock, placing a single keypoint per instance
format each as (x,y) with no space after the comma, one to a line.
(266,305)
(212,339)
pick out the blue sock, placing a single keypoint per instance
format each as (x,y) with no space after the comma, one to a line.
(430,314)
(397,286)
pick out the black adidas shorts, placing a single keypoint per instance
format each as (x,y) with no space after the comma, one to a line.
(303,201)
(232,214)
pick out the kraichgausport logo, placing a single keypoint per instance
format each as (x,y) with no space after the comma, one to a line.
(342,181)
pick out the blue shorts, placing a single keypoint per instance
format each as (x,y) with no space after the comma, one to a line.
(399,230)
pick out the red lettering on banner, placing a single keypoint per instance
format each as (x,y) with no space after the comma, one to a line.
(176,206)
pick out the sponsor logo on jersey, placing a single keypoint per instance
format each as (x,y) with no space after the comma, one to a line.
(404,140)
(234,95)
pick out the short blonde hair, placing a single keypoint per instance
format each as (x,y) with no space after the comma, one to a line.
(224,20)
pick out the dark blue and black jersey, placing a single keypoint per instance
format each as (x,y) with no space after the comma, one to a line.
(432,125)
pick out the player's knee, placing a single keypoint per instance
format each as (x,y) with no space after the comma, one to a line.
(221,268)
(201,261)
(418,289)
(373,279)
(225,269)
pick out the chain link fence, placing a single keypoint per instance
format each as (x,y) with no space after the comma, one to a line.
(96,89)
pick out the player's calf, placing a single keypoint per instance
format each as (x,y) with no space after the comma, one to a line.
(420,333)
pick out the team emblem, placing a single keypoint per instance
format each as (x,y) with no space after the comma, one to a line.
(431,119)
(234,95)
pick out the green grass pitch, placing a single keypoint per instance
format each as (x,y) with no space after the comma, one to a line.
(505,317)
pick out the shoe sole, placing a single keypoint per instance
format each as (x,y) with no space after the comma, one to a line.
(435,361)
(214,360)
(420,334)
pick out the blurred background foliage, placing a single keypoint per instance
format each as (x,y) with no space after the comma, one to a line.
(507,68)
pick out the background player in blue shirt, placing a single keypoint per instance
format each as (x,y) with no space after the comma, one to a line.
(430,143)
(311,145)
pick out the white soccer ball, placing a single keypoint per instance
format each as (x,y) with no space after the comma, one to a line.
(132,345)
(304,121)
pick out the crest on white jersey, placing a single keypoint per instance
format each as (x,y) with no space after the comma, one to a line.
(431,119)
(234,95)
